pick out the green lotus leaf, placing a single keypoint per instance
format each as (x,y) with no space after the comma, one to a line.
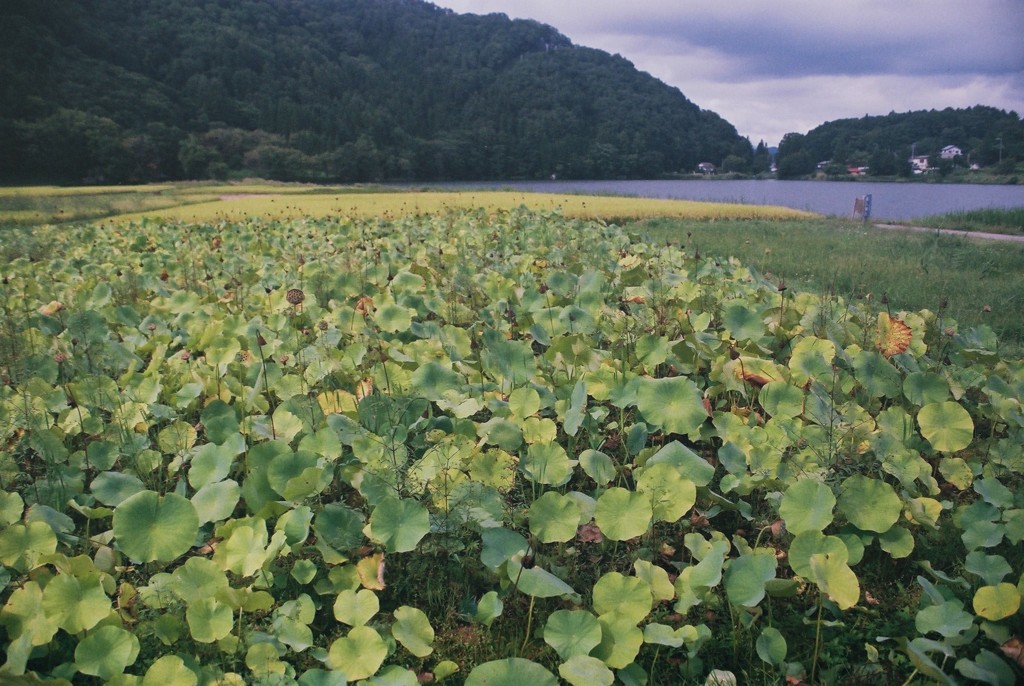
(991,568)
(576,411)
(209,620)
(392,675)
(296,476)
(623,514)
(398,525)
(811,359)
(690,464)
(150,527)
(993,492)
(24,618)
(295,524)
(771,646)
(198,578)
(554,517)
(210,464)
(264,659)
(293,633)
(339,527)
(957,472)
(946,425)
(835,578)
(671,495)
(597,466)
(636,438)
(746,577)
(707,572)
(987,668)
(535,581)
(500,545)
(169,670)
(807,506)
(489,608)
(21,545)
(878,377)
(393,319)
(780,399)
(583,670)
(813,542)
(113,488)
(869,504)
(897,541)
(656,578)
(503,433)
(626,596)
(621,641)
(359,654)
(215,502)
(509,362)
(946,619)
(356,608)
(434,380)
(76,604)
(925,388)
(255,489)
(572,632)
(524,402)
(106,652)
(176,438)
(743,323)
(286,425)
(220,423)
(997,602)
(222,350)
(675,405)
(512,671)
(664,635)
(547,463)
(412,629)
(244,548)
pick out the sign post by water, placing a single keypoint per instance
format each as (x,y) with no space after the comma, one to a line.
(862,207)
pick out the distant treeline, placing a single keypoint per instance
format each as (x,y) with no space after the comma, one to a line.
(985,136)
(328,90)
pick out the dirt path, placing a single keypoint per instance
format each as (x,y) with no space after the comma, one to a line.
(980,235)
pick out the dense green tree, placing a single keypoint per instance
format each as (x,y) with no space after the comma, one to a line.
(334,90)
(885,143)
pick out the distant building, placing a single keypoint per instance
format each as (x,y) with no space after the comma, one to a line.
(919,163)
(706,168)
(951,151)
(823,164)
(858,171)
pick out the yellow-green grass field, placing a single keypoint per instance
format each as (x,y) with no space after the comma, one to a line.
(233,202)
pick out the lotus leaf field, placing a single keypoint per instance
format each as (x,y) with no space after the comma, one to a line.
(489,449)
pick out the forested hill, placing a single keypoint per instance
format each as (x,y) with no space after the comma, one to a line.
(984,135)
(326,90)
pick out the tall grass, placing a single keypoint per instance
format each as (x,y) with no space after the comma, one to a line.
(1008,221)
(972,282)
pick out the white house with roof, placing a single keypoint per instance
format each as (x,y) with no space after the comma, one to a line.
(950,152)
(919,163)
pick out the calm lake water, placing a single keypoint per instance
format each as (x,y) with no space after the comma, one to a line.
(890,201)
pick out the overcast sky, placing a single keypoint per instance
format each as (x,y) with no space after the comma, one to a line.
(776,66)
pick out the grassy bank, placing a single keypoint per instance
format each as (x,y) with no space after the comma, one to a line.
(972,282)
(1006,221)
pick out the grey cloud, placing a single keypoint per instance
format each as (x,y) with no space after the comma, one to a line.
(775,66)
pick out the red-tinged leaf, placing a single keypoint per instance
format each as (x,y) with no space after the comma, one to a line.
(590,533)
(894,335)
(1014,649)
